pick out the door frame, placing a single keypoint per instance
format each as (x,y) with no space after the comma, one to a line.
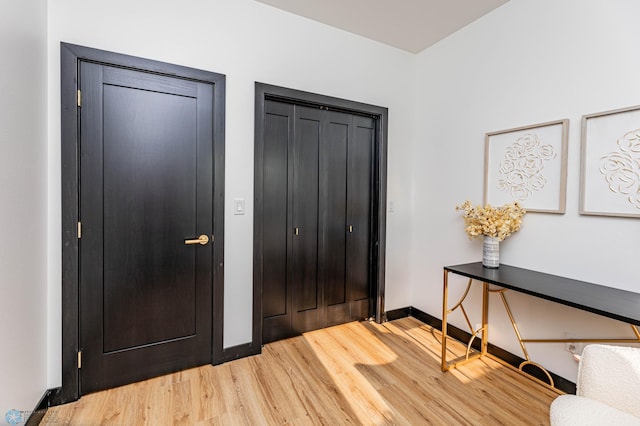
(264,92)
(70,58)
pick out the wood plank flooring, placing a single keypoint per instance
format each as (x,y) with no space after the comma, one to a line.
(356,373)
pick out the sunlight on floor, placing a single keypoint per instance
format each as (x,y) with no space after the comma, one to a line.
(355,373)
(366,401)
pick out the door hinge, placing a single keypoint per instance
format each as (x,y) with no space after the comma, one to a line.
(79,359)
(79,98)
(79,230)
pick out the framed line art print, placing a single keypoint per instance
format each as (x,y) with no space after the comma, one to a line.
(529,165)
(610,172)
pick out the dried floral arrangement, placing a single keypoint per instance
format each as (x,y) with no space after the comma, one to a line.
(497,222)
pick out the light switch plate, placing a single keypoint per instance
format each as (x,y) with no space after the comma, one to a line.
(238,206)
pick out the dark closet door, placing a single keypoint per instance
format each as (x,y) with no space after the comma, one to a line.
(306,292)
(345,208)
(333,216)
(146,194)
(277,222)
(317,218)
(359,216)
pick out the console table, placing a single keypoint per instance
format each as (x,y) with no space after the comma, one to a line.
(606,301)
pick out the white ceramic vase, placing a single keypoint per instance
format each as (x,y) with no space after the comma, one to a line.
(490,252)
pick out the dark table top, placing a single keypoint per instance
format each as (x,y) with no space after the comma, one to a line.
(610,302)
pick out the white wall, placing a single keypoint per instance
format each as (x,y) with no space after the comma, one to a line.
(247,41)
(527,62)
(23,198)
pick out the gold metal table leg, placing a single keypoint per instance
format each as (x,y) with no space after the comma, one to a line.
(474,333)
(445,292)
(485,319)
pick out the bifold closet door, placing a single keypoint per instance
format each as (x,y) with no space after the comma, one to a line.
(291,295)
(306,293)
(338,131)
(277,223)
(345,212)
(317,218)
(359,216)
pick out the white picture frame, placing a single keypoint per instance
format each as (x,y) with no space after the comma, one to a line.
(528,164)
(610,163)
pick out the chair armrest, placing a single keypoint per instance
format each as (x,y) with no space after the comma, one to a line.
(611,374)
(572,410)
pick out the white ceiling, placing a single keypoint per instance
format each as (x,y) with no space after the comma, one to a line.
(411,25)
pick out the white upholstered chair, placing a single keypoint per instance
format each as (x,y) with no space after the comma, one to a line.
(608,389)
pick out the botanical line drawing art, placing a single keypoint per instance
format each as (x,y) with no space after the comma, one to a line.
(621,169)
(523,165)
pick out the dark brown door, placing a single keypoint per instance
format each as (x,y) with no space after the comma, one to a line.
(338,131)
(146,187)
(359,258)
(304,285)
(277,222)
(345,224)
(317,218)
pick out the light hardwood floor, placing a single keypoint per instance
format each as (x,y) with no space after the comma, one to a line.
(357,373)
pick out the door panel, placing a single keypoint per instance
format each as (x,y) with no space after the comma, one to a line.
(305,219)
(359,209)
(276,294)
(149,189)
(333,209)
(146,186)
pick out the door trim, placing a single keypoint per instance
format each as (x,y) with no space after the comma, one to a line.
(70,57)
(265,92)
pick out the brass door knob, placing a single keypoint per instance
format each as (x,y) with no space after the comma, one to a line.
(202,240)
